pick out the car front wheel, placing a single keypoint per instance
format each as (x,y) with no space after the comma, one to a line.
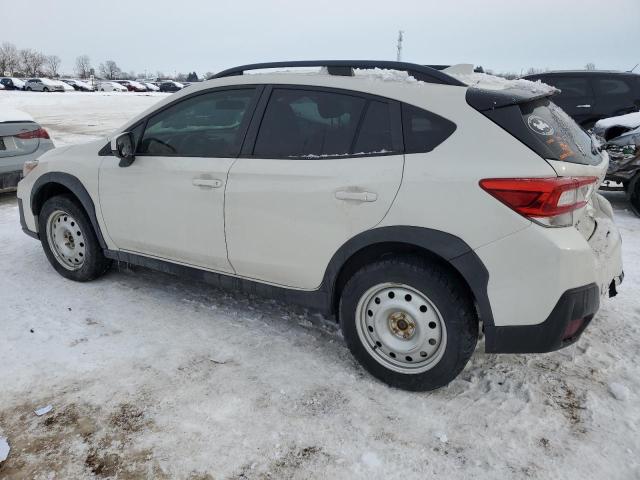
(69,240)
(410,323)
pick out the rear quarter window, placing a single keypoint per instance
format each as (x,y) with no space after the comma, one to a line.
(423,130)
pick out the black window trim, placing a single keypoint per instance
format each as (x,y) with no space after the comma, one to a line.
(258,117)
(246,120)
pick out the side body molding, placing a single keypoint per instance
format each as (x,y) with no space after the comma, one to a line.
(447,247)
(72,184)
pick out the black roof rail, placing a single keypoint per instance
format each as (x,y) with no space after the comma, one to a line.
(344,67)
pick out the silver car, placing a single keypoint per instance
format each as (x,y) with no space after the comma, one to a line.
(21,140)
(43,85)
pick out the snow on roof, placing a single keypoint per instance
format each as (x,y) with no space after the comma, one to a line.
(630,120)
(493,82)
(386,75)
(8,114)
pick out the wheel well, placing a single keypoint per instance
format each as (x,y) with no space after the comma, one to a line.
(47,191)
(378,251)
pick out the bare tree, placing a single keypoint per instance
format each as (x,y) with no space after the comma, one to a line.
(83,66)
(9,58)
(32,61)
(590,66)
(533,71)
(109,70)
(53,64)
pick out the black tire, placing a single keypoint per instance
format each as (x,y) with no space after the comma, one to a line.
(445,292)
(45,89)
(95,264)
(633,193)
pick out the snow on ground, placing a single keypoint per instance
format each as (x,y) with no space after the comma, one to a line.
(152,376)
(77,117)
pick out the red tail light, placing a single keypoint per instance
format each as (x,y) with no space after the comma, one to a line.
(549,201)
(39,133)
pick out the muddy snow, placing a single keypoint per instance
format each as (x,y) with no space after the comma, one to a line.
(152,376)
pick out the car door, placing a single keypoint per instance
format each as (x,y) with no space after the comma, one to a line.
(319,166)
(575,97)
(169,203)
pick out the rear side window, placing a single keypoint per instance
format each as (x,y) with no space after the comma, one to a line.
(207,125)
(610,86)
(375,135)
(570,86)
(423,131)
(308,124)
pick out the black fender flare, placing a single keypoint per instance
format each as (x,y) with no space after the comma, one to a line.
(453,250)
(76,187)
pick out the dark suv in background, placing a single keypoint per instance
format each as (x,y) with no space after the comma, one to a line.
(589,95)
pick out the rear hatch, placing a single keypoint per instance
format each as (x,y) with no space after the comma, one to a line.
(528,113)
(19,138)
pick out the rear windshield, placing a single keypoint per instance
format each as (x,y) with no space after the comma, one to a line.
(562,137)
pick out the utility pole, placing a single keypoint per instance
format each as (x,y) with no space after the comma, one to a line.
(400,38)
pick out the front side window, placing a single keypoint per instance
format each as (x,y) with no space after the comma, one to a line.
(571,86)
(309,124)
(207,125)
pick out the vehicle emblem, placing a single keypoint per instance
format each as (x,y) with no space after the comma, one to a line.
(539,126)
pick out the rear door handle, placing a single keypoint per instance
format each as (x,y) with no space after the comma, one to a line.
(583,106)
(357,196)
(207,182)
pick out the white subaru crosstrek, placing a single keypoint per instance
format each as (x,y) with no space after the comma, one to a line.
(408,203)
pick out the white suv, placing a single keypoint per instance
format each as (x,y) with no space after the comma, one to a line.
(407,203)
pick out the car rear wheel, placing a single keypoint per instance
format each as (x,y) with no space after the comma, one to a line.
(28,89)
(409,323)
(45,89)
(69,240)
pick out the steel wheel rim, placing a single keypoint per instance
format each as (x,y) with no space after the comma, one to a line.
(66,240)
(401,328)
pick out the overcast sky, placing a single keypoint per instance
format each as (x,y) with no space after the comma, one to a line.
(210,35)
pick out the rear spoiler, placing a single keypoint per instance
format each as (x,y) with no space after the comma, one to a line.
(484,99)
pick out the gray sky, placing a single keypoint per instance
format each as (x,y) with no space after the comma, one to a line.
(202,35)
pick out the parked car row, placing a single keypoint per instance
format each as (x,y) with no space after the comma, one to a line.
(41,84)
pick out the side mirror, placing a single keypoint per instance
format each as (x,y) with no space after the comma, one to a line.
(122,146)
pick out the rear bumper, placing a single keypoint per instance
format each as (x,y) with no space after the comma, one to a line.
(580,303)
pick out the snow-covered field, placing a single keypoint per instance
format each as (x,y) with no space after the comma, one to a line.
(152,376)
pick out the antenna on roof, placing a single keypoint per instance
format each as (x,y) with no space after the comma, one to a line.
(631,71)
(400,38)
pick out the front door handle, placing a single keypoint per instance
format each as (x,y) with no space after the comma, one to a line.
(357,196)
(583,106)
(207,182)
